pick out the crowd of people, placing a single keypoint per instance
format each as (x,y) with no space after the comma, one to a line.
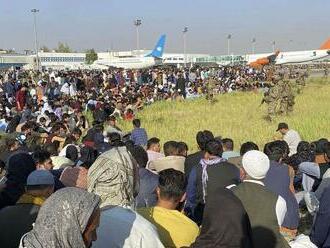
(70,177)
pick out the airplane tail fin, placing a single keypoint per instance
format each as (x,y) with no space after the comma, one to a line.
(159,48)
(325,45)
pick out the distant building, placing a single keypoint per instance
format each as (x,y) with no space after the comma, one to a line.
(62,60)
(14,60)
(222,60)
(47,60)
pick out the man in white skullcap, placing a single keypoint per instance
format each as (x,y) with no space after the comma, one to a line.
(266,210)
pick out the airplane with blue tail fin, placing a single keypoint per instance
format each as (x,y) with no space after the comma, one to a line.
(154,58)
(159,48)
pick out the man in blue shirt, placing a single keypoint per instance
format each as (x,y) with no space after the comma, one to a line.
(139,135)
(228,149)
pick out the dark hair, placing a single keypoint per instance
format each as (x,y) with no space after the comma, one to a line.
(140,155)
(304,154)
(52,148)
(25,127)
(112,118)
(182,147)
(318,146)
(42,119)
(228,144)
(218,138)
(203,137)
(170,148)
(327,149)
(275,150)
(248,146)
(71,153)
(2,164)
(286,149)
(65,115)
(88,156)
(69,140)
(172,184)
(98,128)
(9,143)
(114,137)
(77,131)
(56,127)
(137,123)
(13,124)
(152,141)
(214,148)
(40,156)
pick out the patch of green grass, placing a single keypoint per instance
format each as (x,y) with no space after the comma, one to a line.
(238,116)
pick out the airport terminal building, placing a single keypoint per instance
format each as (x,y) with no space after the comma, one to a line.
(47,60)
(59,61)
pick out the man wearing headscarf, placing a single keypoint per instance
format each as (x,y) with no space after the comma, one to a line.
(114,177)
(69,218)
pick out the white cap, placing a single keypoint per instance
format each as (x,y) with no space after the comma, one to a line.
(256,164)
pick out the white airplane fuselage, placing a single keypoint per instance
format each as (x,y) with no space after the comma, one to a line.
(131,62)
(300,56)
(253,57)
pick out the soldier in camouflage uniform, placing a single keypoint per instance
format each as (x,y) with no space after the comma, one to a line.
(210,86)
(287,96)
(272,98)
(300,82)
(288,91)
(326,71)
(280,97)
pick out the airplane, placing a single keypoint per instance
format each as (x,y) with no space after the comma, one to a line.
(280,58)
(259,60)
(154,58)
(304,56)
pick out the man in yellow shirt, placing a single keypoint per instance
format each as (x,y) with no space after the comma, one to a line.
(174,228)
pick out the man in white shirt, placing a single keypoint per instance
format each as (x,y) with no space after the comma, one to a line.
(291,137)
(153,149)
(171,159)
(123,227)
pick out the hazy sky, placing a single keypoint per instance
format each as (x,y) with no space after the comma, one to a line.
(106,24)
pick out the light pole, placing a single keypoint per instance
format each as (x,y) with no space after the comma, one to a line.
(273,44)
(137,23)
(254,45)
(184,32)
(228,43)
(34,12)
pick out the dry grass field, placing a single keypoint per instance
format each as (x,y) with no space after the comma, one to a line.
(238,116)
